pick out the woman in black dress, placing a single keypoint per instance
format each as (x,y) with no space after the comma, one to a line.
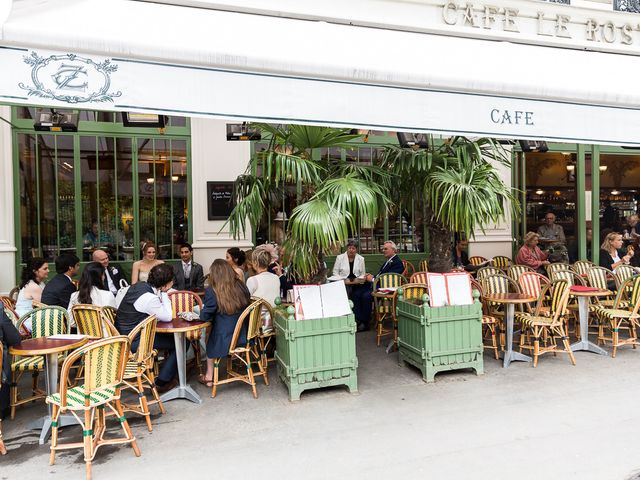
(224,302)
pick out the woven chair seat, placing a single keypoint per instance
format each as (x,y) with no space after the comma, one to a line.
(75,397)
(489,320)
(530,320)
(616,313)
(27,364)
(131,369)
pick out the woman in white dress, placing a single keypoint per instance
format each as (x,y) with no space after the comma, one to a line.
(31,285)
(141,268)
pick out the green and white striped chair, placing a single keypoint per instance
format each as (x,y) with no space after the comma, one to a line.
(45,321)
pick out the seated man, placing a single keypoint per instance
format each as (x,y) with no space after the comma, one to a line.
(362,298)
(58,291)
(150,298)
(459,255)
(188,275)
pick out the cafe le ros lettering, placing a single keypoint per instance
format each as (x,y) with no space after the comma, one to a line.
(508,19)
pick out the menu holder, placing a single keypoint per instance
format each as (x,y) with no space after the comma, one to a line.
(320,301)
(449,289)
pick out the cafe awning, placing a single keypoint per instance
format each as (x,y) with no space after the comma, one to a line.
(139,56)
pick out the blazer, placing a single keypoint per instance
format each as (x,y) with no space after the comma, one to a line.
(392,265)
(58,291)
(196,277)
(117,277)
(341,267)
(606,260)
(224,325)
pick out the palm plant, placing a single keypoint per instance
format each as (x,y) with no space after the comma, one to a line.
(459,186)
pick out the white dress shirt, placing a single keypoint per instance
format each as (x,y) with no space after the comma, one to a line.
(156,303)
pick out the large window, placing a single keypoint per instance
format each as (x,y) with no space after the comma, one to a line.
(101,188)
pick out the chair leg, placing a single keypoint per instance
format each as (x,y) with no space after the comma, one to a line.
(536,348)
(494,342)
(154,390)
(87,437)
(144,406)
(127,428)
(195,344)
(55,413)
(252,380)
(13,393)
(614,338)
(216,364)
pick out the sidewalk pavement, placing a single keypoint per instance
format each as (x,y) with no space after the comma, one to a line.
(554,421)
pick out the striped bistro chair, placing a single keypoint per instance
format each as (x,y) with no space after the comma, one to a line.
(489,322)
(246,355)
(409,291)
(572,278)
(424,265)
(15,319)
(385,308)
(90,321)
(623,273)
(581,267)
(552,267)
(45,321)
(419,277)
(600,277)
(7,301)
(477,260)
(264,337)
(110,314)
(501,262)
(532,283)
(138,374)
(493,284)
(514,271)
(13,294)
(185,301)
(409,269)
(3,450)
(483,272)
(105,362)
(622,315)
(550,327)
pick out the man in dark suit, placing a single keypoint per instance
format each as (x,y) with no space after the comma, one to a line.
(114,279)
(58,291)
(188,274)
(362,298)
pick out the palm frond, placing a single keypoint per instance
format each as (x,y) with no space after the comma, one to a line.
(249,195)
(279,168)
(318,223)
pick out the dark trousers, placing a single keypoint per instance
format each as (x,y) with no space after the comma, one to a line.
(169,368)
(362,303)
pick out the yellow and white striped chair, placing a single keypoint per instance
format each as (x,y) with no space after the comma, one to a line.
(489,322)
(419,277)
(90,321)
(424,265)
(45,321)
(185,301)
(385,308)
(477,260)
(496,284)
(581,267)
(552,267)
(483,272)
(501,262)
(514,271)
(105,361)
(603,278)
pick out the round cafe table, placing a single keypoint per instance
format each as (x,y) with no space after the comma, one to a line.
(511,300)
(583,314)
(50,348)
(179,328)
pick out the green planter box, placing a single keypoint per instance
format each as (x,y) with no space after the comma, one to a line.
(315,353)
(441,338)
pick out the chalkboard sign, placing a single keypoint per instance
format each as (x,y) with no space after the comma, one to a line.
(220,200)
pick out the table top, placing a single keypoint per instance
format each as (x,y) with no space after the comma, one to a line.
(44,346)
(384,294)
(510,298)
(178,325)
(595,293)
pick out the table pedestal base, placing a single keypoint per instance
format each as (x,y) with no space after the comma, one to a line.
(584,343)
(509,355)
(44,424)
(185,392)
(512,356)
(587,346)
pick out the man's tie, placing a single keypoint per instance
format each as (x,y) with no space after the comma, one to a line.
(187,270)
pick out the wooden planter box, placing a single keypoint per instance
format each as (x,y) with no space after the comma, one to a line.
(440,338)
(315,353)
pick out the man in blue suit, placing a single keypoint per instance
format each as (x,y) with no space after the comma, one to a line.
(362,298)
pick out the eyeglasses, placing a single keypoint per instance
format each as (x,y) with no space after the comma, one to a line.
(549,218)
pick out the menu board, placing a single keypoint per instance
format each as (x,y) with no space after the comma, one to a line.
(219,200)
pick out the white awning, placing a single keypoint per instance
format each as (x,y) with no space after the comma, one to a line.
(198,62)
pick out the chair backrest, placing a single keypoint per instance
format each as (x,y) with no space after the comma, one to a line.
(623,273)
(251,315)
(146,329)
(7,301)
(110,314)
(486,271)
(552,267)
(419,277)
(389,280)
(581,267)
(13,294)
(184,301)
(477,260)
(514,271)
(424,265)
(632,286)
(498,283)
(531,283)
(501,262)
(560,290)
(104,364)
(599,276)
(47,321)
(408,268)
(91,321)
(569,275)
(412,291)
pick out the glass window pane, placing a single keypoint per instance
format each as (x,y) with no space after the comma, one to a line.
(147,170)
(28,201)
(66,195)
(163,187)
(123,173)
(47,196)
(179,195)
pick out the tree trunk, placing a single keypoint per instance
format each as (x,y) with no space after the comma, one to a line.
(440,248)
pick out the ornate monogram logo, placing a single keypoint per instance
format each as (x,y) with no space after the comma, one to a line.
(70,78)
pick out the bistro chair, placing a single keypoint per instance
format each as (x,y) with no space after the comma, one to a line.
(501,262)
(138,373)
(185,301)
(7,301)
(552,267)
(572,278)
(581,267)
(252,316)
(45,321)
(532,284)
(13,294)
(110,314)
(483,272)
(603,278)
(424,265)
(105,362)
(489,322)
(477,260)
(496,284)
(15,319)
(550,327)
(3,450)
(419,277)
(409,269)
(514,271)
(91,322)
(386,307)
(622,315)
(623,273)
(264,337)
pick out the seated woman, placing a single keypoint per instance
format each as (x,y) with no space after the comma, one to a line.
(8,336)
(141,269)
(224,302)
(31,285)
(531,255)
(150,298)
(349,265)
(235,257)
(264,284)
(611,253)
(91,290)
